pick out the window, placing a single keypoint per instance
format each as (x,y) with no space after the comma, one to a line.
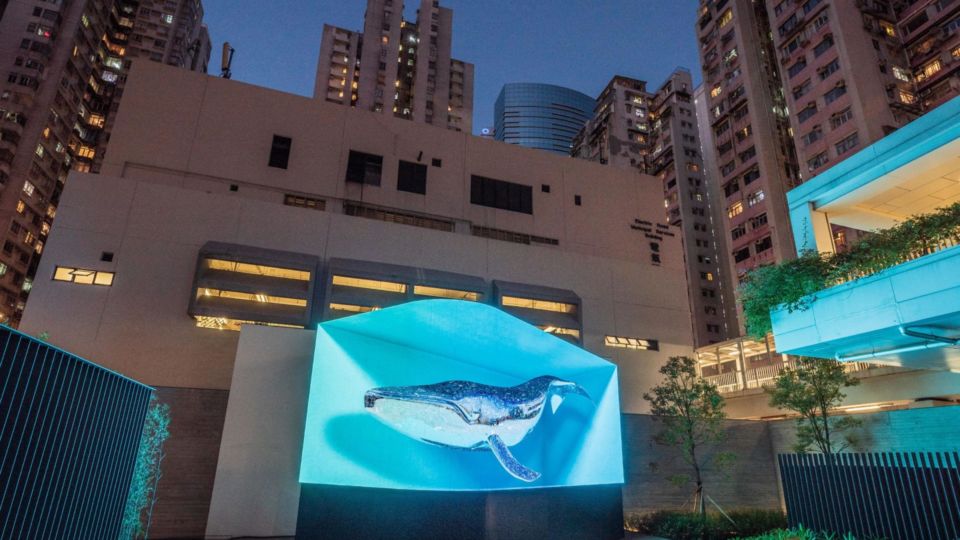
(741,254)
(748,154)
(713,328)
(577,200)
(412,177)
(83,276)
(929,69)
(540,305)
(257,269)
(813,136)
(731,187)
(708,293)
(304,202)
(807,112)
(823,46)
(501,194)
(847,144)
(738,231)
(817,161)
(754,198)
(763,245)
(802,89)
(829,69)
(902,74)
(631,343)
(735,209)
(280,152)
(724,18)
(834,94)
(797,67)
(751,175)
(441,292)
(369,284)
(841,118)
(436,162)
(758,221)
(364,168)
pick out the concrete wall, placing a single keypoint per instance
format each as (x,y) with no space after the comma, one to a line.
(751,482)
(190,461)
(257,491)
(927,429)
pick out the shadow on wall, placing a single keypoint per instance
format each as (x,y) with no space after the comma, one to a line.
(750,482)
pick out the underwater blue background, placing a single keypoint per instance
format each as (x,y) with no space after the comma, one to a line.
(432,341)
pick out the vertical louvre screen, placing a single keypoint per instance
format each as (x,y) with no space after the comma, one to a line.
(69,432)
(895,495)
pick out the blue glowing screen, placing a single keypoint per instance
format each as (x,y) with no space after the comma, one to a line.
(456,395)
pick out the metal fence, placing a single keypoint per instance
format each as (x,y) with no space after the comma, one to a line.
(893,495)
(69,433)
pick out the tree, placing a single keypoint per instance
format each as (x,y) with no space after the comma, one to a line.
(690,410)
(146,473)
(813,390)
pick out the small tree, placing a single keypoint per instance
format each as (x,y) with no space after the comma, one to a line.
(813,390)
(146,473)
(690,410)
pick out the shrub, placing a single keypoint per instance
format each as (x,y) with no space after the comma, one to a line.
(800,533)
(713,526)
(793,284)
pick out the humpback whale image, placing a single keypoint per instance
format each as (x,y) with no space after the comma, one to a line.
(472,416)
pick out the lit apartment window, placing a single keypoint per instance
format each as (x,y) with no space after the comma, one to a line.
(558,331)
(754,198)
(280,152)
(631,343)
(724,18)
(352,308)
(542,305)
(304,202)
(258,269)
(888,29)
(929,69)
(907,97)
(735,209)
(83,276)
(372,284)
(716,91)
(251,297)
(440,292)
(902,74)
(225,323)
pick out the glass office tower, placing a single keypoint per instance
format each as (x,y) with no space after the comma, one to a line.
(541,116)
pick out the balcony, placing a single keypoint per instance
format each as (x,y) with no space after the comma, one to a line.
(746,366)
(904,309)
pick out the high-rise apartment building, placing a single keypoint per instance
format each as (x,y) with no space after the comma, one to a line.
(406,67)
(930,33)
(749,130)
(544,116)
(846,77)
(618,133)
(66,66)
(676,158)
(657,133)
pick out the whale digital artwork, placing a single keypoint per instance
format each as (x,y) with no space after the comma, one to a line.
(472,416)
(453,396)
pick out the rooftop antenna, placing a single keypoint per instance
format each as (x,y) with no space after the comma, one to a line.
(226,60)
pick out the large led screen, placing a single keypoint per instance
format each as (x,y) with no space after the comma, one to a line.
(456,395)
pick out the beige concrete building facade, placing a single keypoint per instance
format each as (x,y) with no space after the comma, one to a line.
(283,224)
(407,69)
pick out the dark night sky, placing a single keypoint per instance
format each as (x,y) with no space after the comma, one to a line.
(575,43)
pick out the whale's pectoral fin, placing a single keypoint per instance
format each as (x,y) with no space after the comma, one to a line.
(510,463)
